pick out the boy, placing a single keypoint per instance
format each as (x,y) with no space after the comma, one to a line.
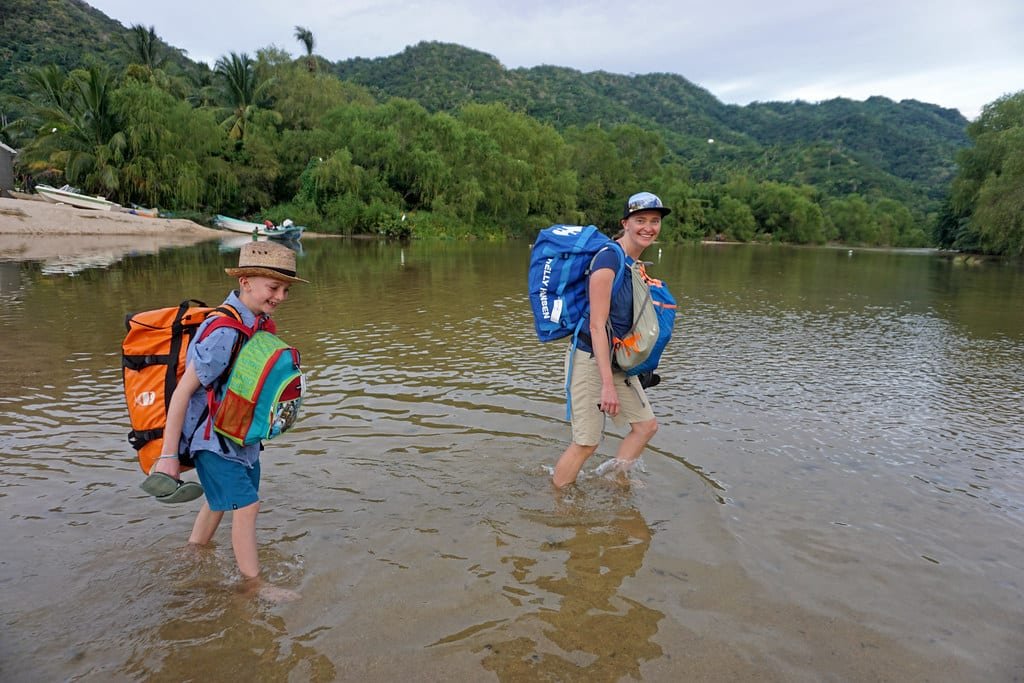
(229,473)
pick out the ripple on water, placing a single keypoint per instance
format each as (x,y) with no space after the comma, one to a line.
(823,450)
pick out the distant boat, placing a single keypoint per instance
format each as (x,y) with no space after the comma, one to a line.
(285,232)
(70,195)
(143,211)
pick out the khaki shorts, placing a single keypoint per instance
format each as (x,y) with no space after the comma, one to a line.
(585,395)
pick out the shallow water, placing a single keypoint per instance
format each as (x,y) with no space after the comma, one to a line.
(835,492)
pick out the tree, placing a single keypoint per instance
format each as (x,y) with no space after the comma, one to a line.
(79,131)
(602,176)
(305,36)
(150,58)
(788,214)
(146,47)
(852,218)
(986,206)
(176,153)
(523,167)
(732,219)
(242,91)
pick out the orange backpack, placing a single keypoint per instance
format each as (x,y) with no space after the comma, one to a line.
(152,362)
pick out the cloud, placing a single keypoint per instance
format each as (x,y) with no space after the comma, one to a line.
(946,52)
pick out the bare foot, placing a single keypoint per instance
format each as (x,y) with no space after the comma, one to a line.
(268,591)
(277,595)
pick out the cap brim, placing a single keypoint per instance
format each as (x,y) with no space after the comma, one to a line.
(663,210)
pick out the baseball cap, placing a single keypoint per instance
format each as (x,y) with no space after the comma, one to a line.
(644,201)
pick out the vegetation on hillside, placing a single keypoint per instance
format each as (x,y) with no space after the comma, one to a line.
(70,34)
(985,209)
(878,148)
(470,148)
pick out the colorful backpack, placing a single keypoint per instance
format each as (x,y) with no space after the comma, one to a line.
(262,395)
(152,363)
(560,261)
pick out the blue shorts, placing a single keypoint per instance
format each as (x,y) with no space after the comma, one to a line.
(228,485)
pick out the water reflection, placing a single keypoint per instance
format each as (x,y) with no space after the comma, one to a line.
(592,632)
(233,242)
(232,639)
(56,255)
(11,280)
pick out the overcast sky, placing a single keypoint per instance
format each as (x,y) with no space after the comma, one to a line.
(953,53)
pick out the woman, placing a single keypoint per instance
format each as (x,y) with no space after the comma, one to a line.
(596,387)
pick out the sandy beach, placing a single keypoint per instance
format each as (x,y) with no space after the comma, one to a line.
(37,230)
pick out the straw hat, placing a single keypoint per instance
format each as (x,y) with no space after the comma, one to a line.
(266,259)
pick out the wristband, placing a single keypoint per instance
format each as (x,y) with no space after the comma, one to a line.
(164,457)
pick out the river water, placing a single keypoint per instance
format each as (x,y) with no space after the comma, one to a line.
(835,492)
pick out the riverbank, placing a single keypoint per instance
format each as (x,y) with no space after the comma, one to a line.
(38,230)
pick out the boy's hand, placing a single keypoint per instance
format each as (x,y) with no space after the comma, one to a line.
(169,466)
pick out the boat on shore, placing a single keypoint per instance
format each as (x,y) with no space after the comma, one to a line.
(137,210)
(286,231)
(70,196)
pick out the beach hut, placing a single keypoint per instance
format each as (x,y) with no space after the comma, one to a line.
(6,170)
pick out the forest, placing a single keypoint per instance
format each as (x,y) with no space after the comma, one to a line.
(443,142)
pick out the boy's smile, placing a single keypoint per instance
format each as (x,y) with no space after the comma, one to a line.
(262,294)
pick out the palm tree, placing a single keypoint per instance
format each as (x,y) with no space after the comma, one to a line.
(305,36)
(79,131)
(146,46)
(242,91)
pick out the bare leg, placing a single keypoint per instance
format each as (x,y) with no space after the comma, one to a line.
(632,446)
(640,433)
(570,464)
(243,539)
(205,525)
(243,542)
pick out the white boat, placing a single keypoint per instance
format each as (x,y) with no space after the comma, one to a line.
(68,195)
(285,232)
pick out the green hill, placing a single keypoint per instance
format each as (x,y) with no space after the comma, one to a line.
(904,150)
(70,34)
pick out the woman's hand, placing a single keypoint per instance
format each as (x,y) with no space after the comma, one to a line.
(609,399)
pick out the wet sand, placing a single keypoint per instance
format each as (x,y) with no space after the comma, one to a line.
(40,230)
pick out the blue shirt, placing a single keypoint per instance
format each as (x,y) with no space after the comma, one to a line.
(620,312)
(210,358)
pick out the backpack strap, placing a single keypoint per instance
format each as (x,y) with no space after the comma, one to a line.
(227,316)
(225,321)
(616,283)
(622,262)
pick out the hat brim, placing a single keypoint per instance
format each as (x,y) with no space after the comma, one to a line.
(663,210)
(256,271)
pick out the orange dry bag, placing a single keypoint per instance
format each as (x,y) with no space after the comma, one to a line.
(152,362)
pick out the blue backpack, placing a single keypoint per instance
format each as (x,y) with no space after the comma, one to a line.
(557,277)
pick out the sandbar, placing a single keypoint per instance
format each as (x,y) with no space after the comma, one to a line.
(37,230)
